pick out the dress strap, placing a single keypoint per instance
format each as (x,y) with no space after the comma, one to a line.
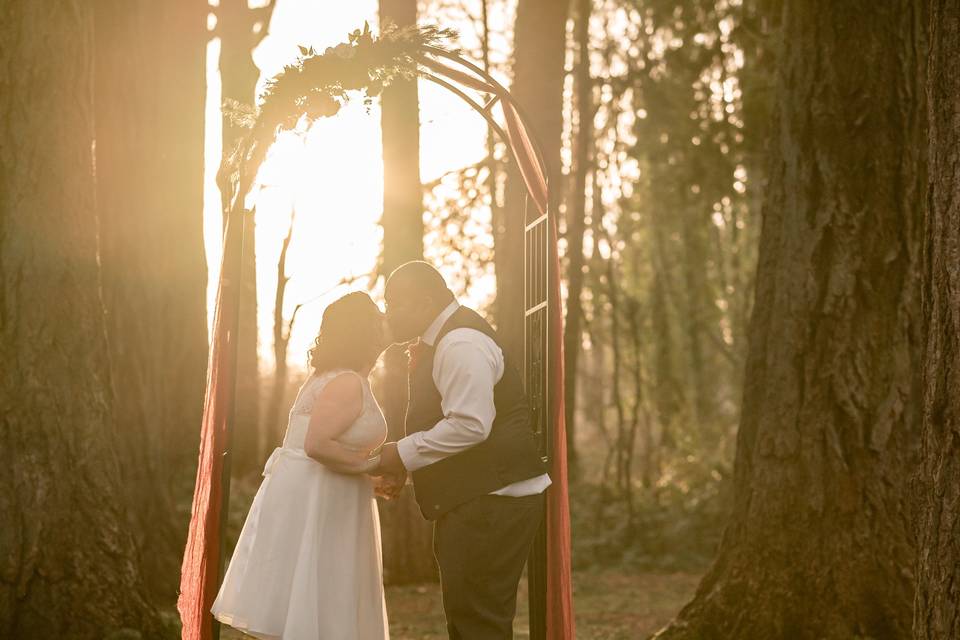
(330,374)
(365,391)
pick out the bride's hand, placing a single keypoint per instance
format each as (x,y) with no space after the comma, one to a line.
(389,485)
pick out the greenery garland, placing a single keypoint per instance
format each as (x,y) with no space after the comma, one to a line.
(317,86)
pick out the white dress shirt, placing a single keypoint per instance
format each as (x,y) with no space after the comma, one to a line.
(467,364)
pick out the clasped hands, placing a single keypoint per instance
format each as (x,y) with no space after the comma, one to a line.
(390,474)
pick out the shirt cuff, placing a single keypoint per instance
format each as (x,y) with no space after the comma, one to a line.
(407,450)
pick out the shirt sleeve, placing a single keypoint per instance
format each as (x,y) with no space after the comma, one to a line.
(466,367)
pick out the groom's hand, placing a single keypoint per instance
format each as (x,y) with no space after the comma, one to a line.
(391,472)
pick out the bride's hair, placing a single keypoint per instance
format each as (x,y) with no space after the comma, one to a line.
(351,335)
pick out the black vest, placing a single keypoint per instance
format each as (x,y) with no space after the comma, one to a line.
(508,455)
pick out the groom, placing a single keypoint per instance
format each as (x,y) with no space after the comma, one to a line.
(470,448)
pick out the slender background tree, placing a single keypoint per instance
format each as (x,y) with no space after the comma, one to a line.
(538,72)
(576,220)
(240,29)
(407,538)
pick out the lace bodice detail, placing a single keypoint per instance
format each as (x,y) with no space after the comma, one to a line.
(368,431)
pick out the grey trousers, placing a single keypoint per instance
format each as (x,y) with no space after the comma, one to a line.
(481,548)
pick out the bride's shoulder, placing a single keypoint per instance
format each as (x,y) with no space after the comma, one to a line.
(339,381)
(327,384)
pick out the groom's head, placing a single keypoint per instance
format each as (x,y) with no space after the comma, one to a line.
(415,294)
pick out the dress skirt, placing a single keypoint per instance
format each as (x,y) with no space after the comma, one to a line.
(307,565)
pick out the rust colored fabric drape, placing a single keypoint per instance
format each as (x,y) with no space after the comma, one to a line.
(200,572)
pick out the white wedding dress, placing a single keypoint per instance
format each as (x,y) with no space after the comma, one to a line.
(308,564)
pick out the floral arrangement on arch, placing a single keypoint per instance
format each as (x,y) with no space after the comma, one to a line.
(317,86)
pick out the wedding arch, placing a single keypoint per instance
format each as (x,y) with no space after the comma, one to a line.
(316,86)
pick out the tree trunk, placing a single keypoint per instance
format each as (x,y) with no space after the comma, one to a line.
(820,541)
(402,220)
(407,537)
(149,95)
(696,303)
(538,57)
(240,29)
(273,422)
(576,226)
(937,604)
(68,567)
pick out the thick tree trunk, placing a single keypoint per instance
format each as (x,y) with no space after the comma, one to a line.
(937,604)
(150,89)
(538,57)
(67,557)
(820,543)
(407,537)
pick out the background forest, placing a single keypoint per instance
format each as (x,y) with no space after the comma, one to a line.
(758,205)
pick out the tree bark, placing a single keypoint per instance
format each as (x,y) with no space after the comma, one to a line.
(937,603)
(820,544)
(149,95)
(538,58)
(68,568)
(407,537)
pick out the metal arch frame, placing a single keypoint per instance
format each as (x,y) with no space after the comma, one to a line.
(502,93)
(542,311)
(536,566)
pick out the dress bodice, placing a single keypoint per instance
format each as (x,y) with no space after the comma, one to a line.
(367,432)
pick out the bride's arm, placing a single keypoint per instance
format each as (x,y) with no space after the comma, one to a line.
(335,409)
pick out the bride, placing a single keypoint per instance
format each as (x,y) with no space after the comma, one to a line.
(307,564)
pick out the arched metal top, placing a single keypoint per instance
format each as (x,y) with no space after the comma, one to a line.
(501,93)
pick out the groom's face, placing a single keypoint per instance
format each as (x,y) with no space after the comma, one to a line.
(409,313)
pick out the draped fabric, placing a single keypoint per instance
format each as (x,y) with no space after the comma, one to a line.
(200,572)
(202,558)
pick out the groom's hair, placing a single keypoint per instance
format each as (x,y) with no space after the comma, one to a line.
(420,277)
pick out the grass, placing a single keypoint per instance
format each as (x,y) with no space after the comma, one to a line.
(609,604)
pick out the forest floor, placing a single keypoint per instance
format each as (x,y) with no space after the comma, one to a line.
(609,604)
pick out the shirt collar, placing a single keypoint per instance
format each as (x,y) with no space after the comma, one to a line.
(430,335)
